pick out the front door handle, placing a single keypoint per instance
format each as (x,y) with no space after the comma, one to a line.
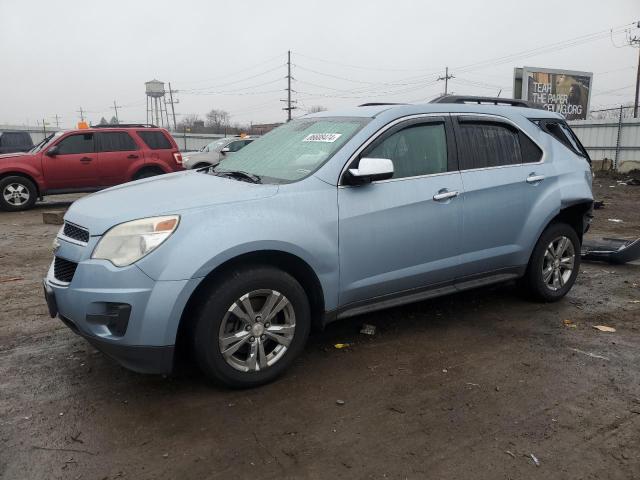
(533,178)
(86,159)
(445,195)
(132,156)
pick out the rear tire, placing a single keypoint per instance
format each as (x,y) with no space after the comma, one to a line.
(554,264)
(251,326)
(17,193)
(151,172)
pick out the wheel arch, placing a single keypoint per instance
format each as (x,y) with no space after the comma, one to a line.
(26,175)
(286,261)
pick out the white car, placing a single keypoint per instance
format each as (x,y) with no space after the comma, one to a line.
(214,152)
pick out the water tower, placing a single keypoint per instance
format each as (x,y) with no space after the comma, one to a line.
(156,103)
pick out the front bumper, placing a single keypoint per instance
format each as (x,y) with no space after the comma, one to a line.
(121,311)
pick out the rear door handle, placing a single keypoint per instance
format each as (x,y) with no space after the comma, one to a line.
(445,195)
(132,156)
(533,178)
(86,159)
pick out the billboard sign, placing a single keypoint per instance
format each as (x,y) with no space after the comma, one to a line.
(564,91)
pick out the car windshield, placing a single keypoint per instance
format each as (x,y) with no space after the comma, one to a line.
(44,142)
(294,150)
(217,145)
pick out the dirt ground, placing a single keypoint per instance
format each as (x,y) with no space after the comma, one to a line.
(474,385)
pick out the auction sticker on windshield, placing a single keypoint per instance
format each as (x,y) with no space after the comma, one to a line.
(322,137)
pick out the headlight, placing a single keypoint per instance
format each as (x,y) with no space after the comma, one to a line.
(128,242)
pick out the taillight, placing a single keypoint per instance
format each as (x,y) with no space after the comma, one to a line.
(178,158)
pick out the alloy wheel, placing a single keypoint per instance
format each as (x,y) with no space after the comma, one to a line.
(16,194)
(558,263)
(257,330)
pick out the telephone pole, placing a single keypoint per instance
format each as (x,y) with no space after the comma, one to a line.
(446,79)
(81,112)
(57,117)
(173,110)
(290,102)
(634,41)
(115,107)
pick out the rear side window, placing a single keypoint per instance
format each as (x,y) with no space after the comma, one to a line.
(116,142)
(155,140)
(15,139)
(416,150)
(78,143)
(561,132)
(495,145)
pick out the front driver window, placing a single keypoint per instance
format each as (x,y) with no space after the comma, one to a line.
(74,144)
(415,150)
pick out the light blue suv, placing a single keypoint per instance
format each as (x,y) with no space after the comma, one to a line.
(330,215)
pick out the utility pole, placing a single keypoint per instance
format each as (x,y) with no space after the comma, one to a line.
(57,117)
(115,107)
(290,103)
(634,41)
(446,79)
(81,112)
(173,110)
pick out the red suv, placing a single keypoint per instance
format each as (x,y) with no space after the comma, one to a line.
(85,160)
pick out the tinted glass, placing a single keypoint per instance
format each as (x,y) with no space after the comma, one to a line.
(79,143)
(489,145)
(155,140)
(531,153)
(415,150)
(235,146)
(116,142)
(15,139)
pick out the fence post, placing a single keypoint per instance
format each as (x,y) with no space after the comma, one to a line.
(615,160)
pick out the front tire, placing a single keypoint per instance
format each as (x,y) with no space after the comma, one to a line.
(251,327)
(554,264)
(17,193)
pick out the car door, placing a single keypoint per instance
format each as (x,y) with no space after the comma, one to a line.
(404,233)
(503,177)
(73,166)
(118,156)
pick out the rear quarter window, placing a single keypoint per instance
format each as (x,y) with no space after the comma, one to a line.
(155,140)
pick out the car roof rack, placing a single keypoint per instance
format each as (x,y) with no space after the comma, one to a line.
(513,102)
(125,125)
(379,104)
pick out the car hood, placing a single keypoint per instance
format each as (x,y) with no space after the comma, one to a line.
(161,195)
(14,155)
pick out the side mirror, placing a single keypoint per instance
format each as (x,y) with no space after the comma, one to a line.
(370,170)
(225,150)
(53,151)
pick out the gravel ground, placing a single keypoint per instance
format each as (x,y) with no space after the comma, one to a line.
(481,385)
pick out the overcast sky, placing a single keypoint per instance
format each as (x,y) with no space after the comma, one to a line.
(58,56)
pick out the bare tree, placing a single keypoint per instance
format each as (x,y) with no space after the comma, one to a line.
(218,119)
(188,121)
(317,108)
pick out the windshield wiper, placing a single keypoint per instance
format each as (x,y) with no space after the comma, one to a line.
(239,175)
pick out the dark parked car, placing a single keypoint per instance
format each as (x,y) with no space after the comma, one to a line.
(11,142)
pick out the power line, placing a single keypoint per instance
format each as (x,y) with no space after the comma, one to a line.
(290,107)
(446,79)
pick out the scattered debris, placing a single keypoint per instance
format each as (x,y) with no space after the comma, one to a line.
(511,454)
(397,410)
(339,402)
(569,323)
(473,384)
(10,279)
(368,329)
(633,181)
(165,455)
(598,204)
(71,450)
(615,220)
(342,345)
(53,218)
(612,250)
(634,301)
(604,328)
(589,354)
(535,459)
(444,370)
(497,389)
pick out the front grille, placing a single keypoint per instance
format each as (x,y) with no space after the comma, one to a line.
(64,270)
(76,232)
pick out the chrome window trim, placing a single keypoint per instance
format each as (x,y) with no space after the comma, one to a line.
(62,236)
(510,122)
(380,132)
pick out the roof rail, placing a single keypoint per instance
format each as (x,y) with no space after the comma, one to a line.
(379,104)
(513,102)
(125,125)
